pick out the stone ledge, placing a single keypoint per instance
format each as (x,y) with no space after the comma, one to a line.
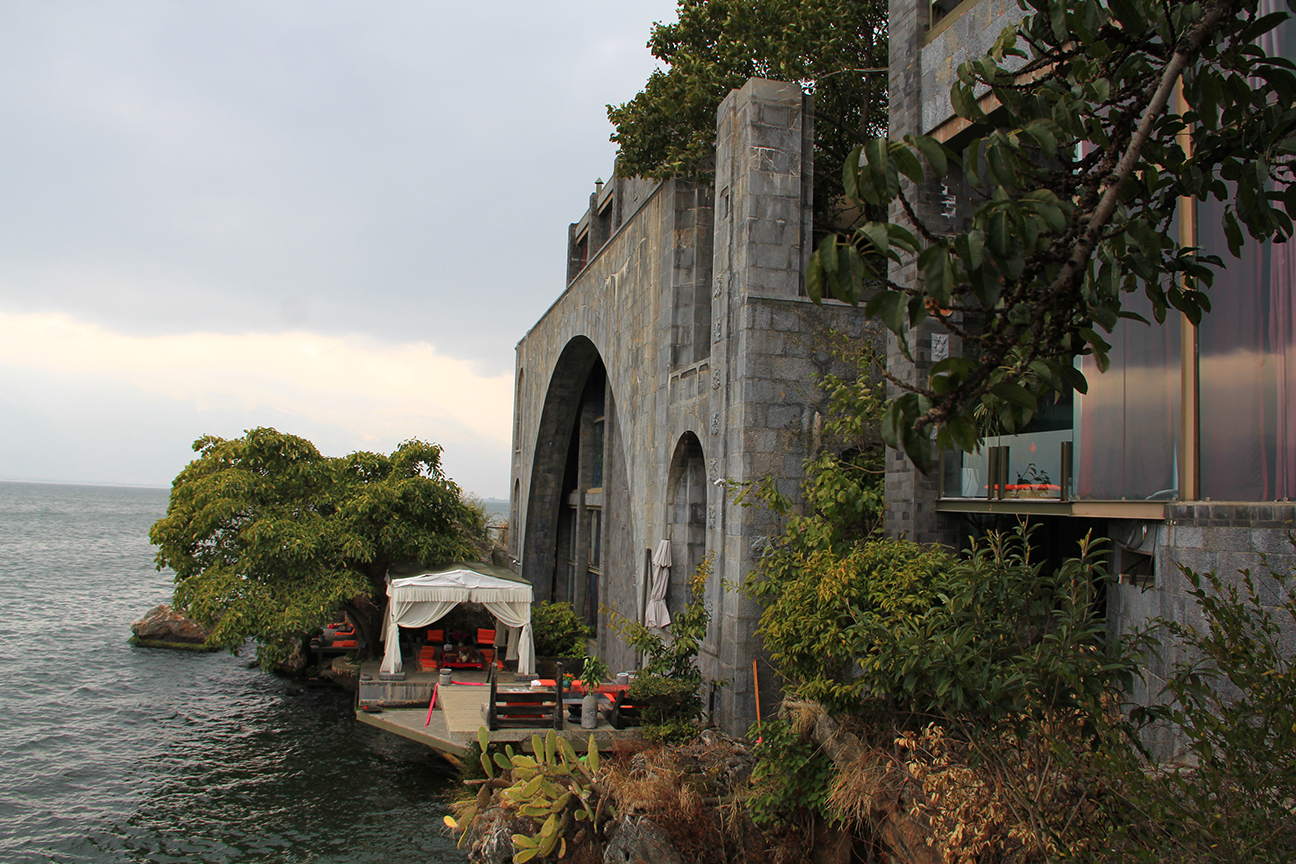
(1276,515)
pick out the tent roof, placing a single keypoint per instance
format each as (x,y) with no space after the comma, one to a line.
(460,583)
(413,568)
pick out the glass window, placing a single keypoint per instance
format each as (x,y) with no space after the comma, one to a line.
(1128,425)
(596,454)
(1033,459)
(1247,370)
(596,539)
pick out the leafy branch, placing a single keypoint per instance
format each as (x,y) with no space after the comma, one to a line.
(1073,173)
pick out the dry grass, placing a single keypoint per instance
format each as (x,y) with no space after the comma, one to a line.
(682,790)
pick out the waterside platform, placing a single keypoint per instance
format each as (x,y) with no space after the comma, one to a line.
(452,729)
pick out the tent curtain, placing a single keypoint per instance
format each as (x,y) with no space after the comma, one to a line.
(517,617)
(656,615)
(402,613)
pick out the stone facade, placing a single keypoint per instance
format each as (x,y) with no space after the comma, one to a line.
(680,357)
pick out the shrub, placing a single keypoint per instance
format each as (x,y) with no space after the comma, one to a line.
(558,631)
(1230,796)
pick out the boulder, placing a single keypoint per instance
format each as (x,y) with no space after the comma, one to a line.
(295,663)
(640,841)
(162,626)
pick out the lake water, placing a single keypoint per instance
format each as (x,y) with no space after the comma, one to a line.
(112,753)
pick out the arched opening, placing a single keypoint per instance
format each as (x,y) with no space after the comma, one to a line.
(564,550)
(686,516)
(515,530)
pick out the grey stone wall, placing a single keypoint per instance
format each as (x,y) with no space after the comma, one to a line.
(1226,538)
(694,305)
(964,38)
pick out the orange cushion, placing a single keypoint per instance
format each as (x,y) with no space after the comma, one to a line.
(485,637)
(347,643)
(437,636)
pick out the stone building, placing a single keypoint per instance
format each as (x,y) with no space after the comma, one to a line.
(1183,453)
(680,356)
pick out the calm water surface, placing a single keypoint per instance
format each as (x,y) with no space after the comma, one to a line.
(112,753)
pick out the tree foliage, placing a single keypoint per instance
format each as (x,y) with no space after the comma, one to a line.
(835,49)
(270,540)
(1075,166)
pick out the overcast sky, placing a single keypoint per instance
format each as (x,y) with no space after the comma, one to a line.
(334,218)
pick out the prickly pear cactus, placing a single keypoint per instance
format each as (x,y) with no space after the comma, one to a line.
(553,789)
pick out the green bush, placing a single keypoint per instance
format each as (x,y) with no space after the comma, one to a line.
(1230,796)
(790,778)
(558,631)
(904,627)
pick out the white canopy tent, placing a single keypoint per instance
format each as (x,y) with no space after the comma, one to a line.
(418,601)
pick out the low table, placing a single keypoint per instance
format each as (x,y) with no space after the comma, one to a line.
(463,658)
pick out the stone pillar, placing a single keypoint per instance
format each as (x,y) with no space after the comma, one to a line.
(911,495)
(762,213)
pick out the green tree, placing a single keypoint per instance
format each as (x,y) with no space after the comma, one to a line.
(836,50)
(1076,165)
(270,540)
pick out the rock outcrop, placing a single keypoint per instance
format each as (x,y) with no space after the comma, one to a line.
(163,627)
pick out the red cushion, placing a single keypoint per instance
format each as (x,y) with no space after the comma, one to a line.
(485,637)
(437,636)
(347,643)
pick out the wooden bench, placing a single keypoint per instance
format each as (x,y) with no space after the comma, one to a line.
(511,710)
(624,714)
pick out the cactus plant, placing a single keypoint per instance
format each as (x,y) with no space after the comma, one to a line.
(553,787)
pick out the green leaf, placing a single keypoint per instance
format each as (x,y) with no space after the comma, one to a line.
(933,151)
(815,279)
(997,232)
(1044,134)
(1015,394)
(889,307)
(907,163)
(938,275)
(876,233)
(850,174)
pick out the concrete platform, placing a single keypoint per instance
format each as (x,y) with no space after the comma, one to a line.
(458,714)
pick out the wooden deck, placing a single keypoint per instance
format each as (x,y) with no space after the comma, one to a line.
(458,714)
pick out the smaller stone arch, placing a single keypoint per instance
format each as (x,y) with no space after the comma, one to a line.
(515,527)
(687,495)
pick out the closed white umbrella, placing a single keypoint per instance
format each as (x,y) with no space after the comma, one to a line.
(656,615)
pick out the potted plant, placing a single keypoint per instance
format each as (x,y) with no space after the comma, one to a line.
(595,671)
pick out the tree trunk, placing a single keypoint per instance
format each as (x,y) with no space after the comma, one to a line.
(368,625)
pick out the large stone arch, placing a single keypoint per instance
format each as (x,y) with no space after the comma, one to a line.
(553,434)
(577,498)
